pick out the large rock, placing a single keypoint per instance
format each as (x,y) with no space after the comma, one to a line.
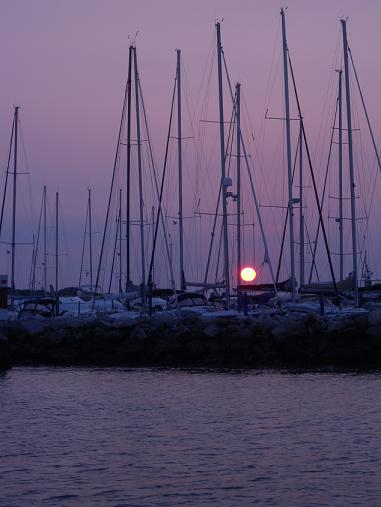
(33,326)
(187,313)
(117,320)
(374,318)
(287,328)
(338,325)
(163,318)
(55,336)
(65,321)
(211,330)
(138,333)
(4,350)
(374,331)
(245,332)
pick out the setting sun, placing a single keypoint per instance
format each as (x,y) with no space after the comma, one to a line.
(248,274)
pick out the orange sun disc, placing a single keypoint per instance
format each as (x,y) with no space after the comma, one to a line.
(248,274)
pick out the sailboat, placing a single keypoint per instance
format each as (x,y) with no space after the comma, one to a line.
(349,286)
(14,243)
(119,269)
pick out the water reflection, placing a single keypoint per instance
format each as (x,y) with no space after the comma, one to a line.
(4,372)
(107,437)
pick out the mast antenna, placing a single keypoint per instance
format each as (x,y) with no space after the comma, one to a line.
(133,39)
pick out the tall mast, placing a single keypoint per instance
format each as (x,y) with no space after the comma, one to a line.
(238,118)
(16,116)
(141,201)
(153,241)
(156,187)
(120,240)
(128,262)
(301,214)
(111,193)
(56,255)
(45,242)
(289,163)
(261,226)
(32,282)
(341,230)
(351,165)
(90,242)
(223,174)
(33,265)
(180,167)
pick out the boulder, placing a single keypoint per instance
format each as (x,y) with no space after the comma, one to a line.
(138,333)
(4,350)
(163,318)
(245,332)
(374,318)
(358,320)
(338,325)
(33,326)
(187,313)
(66,321)
(287,328)
(56,336)
(118,320)
(374,331)
(211,330)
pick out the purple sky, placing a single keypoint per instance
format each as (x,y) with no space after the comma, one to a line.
(65,63)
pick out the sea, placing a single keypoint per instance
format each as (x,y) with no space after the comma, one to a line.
(113,437)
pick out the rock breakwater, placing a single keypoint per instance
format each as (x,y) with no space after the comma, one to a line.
(187,339)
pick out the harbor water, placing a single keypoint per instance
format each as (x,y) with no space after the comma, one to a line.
(170,437)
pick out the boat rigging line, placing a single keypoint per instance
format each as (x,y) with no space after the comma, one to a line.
(6,176)
(256,203)
(159,213)
(323,196)
(313,177)
(122,119)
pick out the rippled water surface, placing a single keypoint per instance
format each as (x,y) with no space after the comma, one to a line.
(131,437)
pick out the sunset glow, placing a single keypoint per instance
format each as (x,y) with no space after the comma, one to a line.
(248,274)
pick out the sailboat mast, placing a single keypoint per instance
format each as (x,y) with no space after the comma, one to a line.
(257,208)
(128,261)
(301,214)
(341,230)
(120,240)
(223,174)
(289,163)
(45,241)
(90,241)
(16,115)
(238,119)
(180,168)
(33,265)
(156,188)
(153,241)
(141,200)
(56,255)
(351,165)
